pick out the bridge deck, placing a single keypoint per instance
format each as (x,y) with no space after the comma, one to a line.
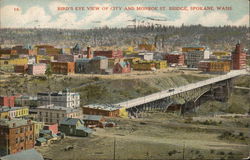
(167,93)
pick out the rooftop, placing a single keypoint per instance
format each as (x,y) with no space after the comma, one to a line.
(13,123)
(31,154)
(71,121)
(7,109)
(92,117)
(106,107)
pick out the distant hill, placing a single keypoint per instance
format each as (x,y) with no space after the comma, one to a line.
(166,38)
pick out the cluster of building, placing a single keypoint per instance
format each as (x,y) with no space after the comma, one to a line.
(47,118)
(216,62)
(35,60)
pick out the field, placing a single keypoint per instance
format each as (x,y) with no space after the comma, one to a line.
(160,136)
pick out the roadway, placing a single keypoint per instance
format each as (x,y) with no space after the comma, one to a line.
(175,91)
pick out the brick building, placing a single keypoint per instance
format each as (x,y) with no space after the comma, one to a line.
(63,67)
(101,109)
(21,68)
(177,59)
(238,57)
(7,101)
(96,65)
(16,135)
(215,66)
(36,69)
(109,54)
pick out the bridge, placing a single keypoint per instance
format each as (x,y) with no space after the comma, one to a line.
(192,94)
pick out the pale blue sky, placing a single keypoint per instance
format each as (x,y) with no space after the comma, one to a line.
(44,13)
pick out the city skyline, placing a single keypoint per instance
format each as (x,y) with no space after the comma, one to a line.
(50,14)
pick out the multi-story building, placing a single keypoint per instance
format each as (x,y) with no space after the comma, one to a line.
(22,101)
(48,50)
(215,66)
(65,99)
(175,58)
(7,101)
(54,114)
(63,67)
(16,135)
(109,54)
(36,69)
(96,65)
(13,112)
(238,57)
(195,54)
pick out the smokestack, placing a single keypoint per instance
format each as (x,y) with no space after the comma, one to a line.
(89,52)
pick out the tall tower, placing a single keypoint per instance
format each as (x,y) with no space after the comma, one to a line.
(238,57)
(89,53)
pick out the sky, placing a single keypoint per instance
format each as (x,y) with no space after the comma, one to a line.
(49,13)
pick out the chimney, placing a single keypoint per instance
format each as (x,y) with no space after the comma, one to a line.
(89,53)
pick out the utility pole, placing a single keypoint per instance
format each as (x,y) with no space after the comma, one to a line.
(183,152)
(114,148)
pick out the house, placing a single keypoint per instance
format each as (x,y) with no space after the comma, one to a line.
(74,127)
(30,154)
(122,67)
(16,135)
(37,69)
(7,101)
(101,109)
(96,120)
(63,98)
(54,114)
(52,127)
(41,141)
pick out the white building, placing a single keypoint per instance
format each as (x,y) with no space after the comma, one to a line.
(146,56)
(65,99)
(54,114)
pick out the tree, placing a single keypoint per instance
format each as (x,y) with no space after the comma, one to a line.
(48,73)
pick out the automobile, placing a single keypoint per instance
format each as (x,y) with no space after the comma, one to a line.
(171,90)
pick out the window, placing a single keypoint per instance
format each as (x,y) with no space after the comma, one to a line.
(21,130)
(46,114)
(17,140)
(17,130)
(57,115)
(30,128)
(31,137)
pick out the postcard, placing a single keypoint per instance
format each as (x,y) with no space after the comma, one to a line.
(124,80)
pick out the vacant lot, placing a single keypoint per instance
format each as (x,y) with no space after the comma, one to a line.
(160,136)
